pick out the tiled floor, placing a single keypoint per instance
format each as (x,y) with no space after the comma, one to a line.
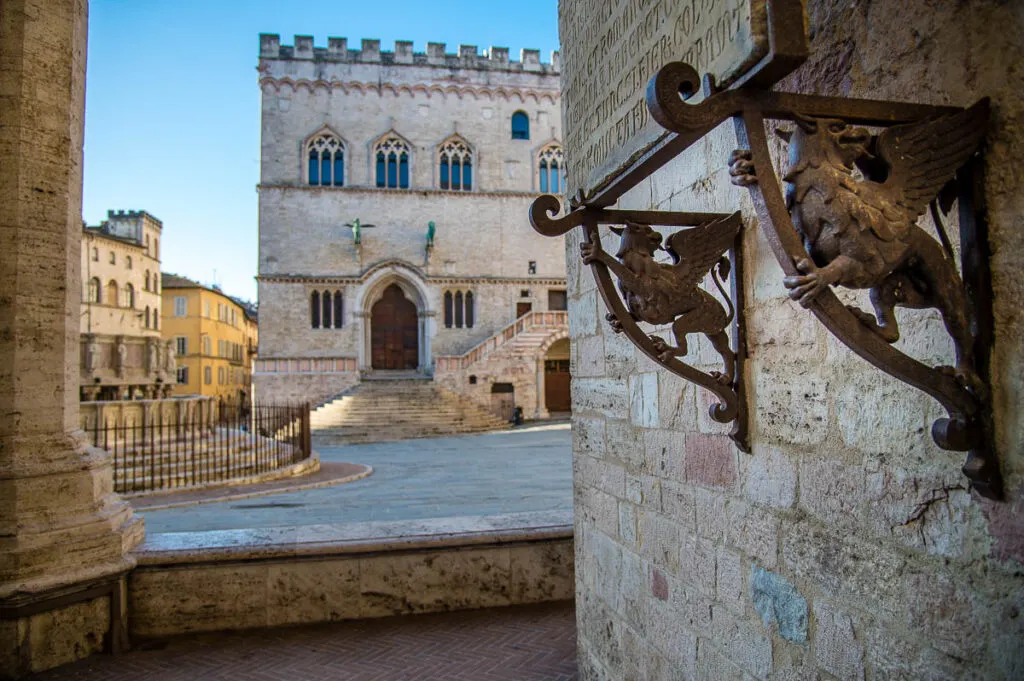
(529,643)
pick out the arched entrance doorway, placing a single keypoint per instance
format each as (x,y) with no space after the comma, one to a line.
(556,377)
(394,331)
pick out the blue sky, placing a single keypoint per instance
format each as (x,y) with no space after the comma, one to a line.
(172,105)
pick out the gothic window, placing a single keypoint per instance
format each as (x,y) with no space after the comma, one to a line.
(326,316)
(156,318)
(338,309)
(326,157)
(456,165)
(314,309)
(147,316)
(94,290)
(392,163)
(112,297)
(550,173)
(458,309)
(145,284)
(520,126)
(129,296)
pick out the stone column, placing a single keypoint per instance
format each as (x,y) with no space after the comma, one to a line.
(63,532)
(542,407)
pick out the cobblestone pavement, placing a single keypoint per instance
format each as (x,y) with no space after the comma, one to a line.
(525,469)
(530,643)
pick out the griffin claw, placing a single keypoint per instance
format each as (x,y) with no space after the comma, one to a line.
(614,322)
(741,168)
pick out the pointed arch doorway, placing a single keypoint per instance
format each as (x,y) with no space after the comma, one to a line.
(394,332)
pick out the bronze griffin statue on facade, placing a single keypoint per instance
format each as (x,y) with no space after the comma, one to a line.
(863,234)
(668,293)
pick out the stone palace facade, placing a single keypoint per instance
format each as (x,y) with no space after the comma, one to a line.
(393,221)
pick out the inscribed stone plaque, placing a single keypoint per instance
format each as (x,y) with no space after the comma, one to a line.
(610,50)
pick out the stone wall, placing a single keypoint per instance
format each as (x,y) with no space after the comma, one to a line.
(846,546)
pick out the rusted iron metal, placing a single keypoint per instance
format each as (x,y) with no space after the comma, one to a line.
(661,293)
(837,228)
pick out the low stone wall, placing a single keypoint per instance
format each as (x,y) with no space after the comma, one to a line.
(240,579)
(313,387)
(169,412)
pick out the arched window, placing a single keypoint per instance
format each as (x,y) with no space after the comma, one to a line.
(112,290)
(326,157)
(156,284)
(128,261)
(129,296)
(95,254)
(145,283)
(550,169)
(458,309)
(456,165)
(520,126)
(314,309)
(156,248)
(338,309)
(147,316)
(326,303)
(392,156)
(94,290)
(156,318)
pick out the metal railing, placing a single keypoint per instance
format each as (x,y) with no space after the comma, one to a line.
(207,446)
(489,345)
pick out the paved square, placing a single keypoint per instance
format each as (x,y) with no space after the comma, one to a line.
(529,643)
(525,469)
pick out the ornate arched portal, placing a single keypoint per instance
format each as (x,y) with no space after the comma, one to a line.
(402,293)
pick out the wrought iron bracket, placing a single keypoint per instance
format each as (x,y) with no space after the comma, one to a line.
(663,293)
(834,227)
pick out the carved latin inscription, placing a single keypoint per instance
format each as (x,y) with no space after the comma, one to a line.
(613,49)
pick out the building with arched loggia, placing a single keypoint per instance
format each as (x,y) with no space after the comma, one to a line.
(394,238)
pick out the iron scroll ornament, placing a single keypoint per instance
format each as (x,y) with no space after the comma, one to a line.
(668,293)
(833,228)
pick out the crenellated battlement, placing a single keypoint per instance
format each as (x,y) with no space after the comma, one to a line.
(468,56)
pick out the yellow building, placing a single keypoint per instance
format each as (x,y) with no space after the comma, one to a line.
(122,354)
(214,337)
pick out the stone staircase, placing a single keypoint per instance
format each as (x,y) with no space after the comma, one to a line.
(382,410)
(521,338)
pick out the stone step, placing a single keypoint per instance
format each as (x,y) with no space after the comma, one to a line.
(390,409)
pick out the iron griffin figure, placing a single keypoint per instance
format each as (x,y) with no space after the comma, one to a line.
(863,233)
(668,293)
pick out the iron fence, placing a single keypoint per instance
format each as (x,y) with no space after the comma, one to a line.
(230,440)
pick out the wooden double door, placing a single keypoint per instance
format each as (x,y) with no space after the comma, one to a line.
(394,332)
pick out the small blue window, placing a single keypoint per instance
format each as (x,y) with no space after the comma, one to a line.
(325,169)
(456,174)
(314,168)
(520,126)
(467,174)
(339,169)
(444,172)
(403,171)
(380,170)
(392,171)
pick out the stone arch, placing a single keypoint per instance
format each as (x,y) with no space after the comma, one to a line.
(410,281)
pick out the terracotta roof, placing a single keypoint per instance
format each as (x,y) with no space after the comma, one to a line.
(168,280)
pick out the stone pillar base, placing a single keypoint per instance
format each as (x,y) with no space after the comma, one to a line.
(47,629)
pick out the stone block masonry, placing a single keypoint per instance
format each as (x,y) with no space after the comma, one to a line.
(846,546)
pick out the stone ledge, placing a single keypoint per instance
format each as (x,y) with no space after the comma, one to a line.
(243,579)
(184,548)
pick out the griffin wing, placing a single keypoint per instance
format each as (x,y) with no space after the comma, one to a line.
(923,157)
(695,251)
